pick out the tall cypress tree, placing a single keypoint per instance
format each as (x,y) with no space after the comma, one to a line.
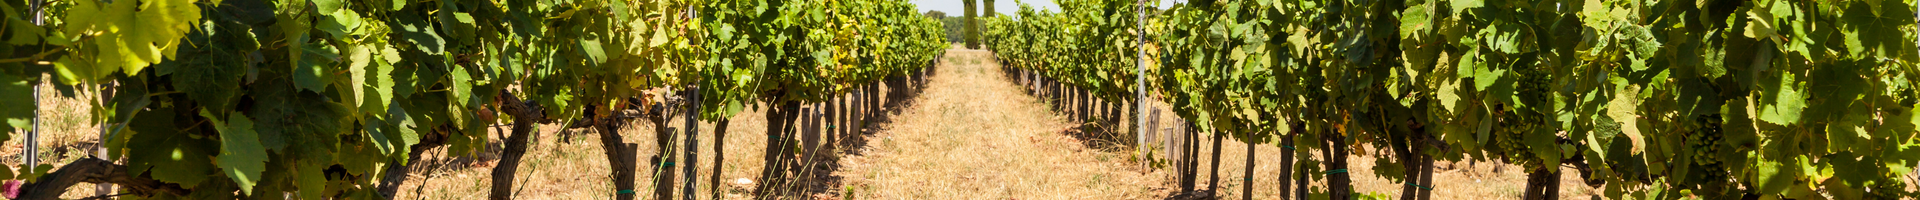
(973,26)
(989,5)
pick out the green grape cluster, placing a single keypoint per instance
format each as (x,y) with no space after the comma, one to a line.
(1532,88)
(1705,137)
(1514,126)
(1522,117)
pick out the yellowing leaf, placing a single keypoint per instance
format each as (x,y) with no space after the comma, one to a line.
(130,35)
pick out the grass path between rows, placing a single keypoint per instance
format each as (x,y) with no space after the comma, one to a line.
(973,134)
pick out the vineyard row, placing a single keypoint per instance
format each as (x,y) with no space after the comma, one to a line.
(1768,99)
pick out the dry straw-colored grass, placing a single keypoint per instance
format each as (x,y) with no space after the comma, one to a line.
(67,134)
(973,135)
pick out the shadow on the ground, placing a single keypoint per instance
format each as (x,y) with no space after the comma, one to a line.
(1100,132)
(904,92)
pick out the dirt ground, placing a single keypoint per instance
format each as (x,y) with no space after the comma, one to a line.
(970,134)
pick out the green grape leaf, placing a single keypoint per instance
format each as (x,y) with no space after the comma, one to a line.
(459,26)
(1849,132)
(1762,26)
(212,73)
(128,35)
(311,179)
(340,24)
(1414,21)
(1485,79)
(24,33)
(659,37)
(593,51)
(400,4)
(399,132)
(362,159)
(241,156)
(296,123)
(1772,179)
(7,174)
(310,77)
(1544,145)
(420,33)
(328,6)
(314,70)
(381,86)
(172,155)
(17,93)
(1900,125)
(1781,102)
(1449,96)
(1461,5)
(358,58)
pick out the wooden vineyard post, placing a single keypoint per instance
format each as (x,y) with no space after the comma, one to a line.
(692,158)
(1292,156)
(772,174)
(664,172)
(1426,174)
(662,165)
(1213,179)
(874,102)
(1286,159)
(1246,189)
(1177,150)
(809,145)
(857,113)
(1186,156)
(630,159)
(719,155)
(826,121)
(1053,94)
(1102,111)
(834,110)
(1088,107)
(1339,185)
(1080,105)
(1112,116)
(1033,85)
(1152,122)
(1152,133)
(1073,102)
(880,100)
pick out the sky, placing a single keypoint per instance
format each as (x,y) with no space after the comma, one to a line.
(1006,7)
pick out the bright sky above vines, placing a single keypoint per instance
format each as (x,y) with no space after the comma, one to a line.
(1008,7)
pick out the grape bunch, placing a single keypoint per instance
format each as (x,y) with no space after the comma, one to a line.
(1705,137)
(1524,117)
(1511,134)
(1533,88)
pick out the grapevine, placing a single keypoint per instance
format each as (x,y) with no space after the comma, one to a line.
(1650,99)
(321,97)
